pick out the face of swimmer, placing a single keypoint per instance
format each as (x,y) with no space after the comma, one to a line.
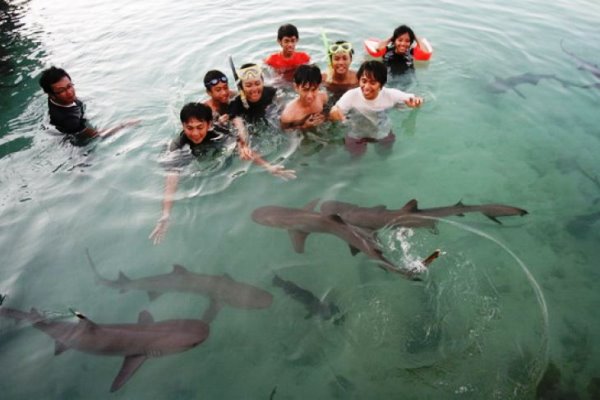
(196,129)
(63,91)
(220,93)
(402,43)
(341,62)
(369,86)
(253,89)
(288,45)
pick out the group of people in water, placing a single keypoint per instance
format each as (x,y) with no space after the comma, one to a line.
(357,95)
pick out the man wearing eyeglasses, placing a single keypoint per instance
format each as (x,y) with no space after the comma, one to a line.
(67,112)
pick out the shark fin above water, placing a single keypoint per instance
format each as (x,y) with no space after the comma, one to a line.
(130,365)
(298,239)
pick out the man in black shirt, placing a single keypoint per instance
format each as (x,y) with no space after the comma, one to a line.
(202,140)
(67,112)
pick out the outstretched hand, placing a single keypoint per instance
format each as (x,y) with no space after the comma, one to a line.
(280,171)
(414,102)
(160,230)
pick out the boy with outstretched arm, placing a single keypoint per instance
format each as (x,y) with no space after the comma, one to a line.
(370,102)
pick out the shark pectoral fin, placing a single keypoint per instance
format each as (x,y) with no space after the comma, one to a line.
(154,295)
(353,250)
(59,348)
(123,278)
(179,269)
(130,365)
(519,93)
(496,220)
(145,317)
(411,206)
(298,239)
(211,312)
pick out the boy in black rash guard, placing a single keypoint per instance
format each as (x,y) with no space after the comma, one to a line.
(196,121)
(67,112)
(250,106)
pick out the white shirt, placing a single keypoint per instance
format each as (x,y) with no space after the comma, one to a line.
(372,120)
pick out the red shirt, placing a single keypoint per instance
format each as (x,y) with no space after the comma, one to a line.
(276,60)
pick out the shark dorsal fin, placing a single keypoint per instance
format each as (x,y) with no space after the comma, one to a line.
(459,204)
(123,278)
(353,250)
(337,218)
(311,206)
(227,276)
(145,317)
(179,269)
(411,206)
(59,348)
(84,320)
(35,313)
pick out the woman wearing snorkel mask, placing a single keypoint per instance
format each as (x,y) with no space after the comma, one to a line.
(339,77)
(250,107)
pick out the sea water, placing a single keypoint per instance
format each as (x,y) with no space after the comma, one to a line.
(501,304)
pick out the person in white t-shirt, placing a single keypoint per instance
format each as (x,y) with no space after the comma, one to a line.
(369,103)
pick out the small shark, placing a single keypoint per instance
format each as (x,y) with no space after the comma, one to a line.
(583,64)
(136,342)
(410,215)
(222,290)
(301,222)
(502,85)
(312,303)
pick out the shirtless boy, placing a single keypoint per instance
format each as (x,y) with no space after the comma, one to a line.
(306,111)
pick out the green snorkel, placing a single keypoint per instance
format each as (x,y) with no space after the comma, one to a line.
(329,66)
(238,82)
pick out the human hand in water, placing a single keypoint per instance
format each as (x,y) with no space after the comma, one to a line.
(280,171)
(223,119)
(414,102)
(160,230)
(246,152)
(313,120)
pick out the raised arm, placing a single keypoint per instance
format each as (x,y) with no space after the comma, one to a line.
(160,230)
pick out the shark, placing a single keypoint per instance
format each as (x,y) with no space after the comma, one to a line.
(313,304)
(221,289)
(410,215)
(135,342)
(583,64)
(502,85)
(301,222)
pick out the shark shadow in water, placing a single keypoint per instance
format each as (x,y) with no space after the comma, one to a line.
(503,85)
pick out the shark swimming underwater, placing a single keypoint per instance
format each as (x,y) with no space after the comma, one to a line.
(503,85)
(313,304)
(301,222)
(410,215)
(583,64)
(135,342)
(221,289)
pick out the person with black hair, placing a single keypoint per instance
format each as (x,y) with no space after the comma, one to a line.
(217,88)
(339,78)
(288,59)
(305,111)
(67,112)
(399,50)
(196,135)
(370,102)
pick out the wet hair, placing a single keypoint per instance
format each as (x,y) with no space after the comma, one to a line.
(288,30)
(200,111)
(374,68)
(401,30)
(212,74)
(307,74)
(50,76)
(330,55)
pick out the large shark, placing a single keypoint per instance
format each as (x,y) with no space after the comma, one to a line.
(221,289)
(301,222)
(136,342)
(583,64)
(410,215)
(313,304)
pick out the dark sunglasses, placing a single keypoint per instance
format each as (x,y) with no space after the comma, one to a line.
(215,81)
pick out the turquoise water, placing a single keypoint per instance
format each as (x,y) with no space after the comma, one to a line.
(498,306)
